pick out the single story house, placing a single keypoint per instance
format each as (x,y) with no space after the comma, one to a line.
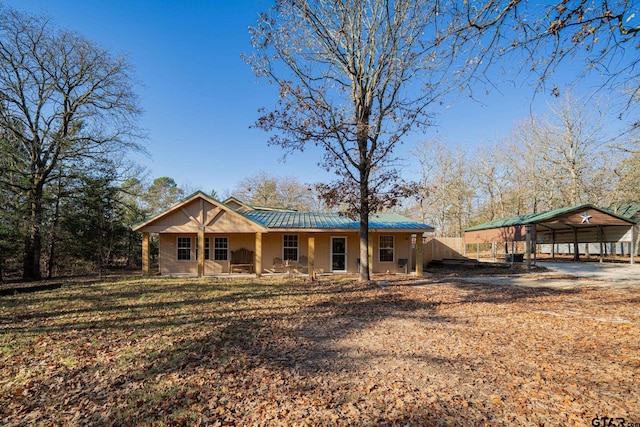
(234,236)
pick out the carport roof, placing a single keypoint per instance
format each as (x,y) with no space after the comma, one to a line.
(536,218)
(627,211)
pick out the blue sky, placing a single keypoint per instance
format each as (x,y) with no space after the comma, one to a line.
(200,98)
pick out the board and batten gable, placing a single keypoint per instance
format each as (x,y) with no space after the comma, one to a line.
(196,213)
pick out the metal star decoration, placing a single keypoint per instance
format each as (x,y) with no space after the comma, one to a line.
(585,218)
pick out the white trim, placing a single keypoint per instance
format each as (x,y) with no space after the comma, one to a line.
(213,247)
(178,248)
(393,248)
(297,246)
(345,254)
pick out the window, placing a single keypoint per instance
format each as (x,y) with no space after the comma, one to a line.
(220,248)
(184,248)
(290,247)
(386,248)
(206,248)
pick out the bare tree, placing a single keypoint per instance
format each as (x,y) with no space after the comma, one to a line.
(355,77)
(528,181)
(275,191)
(446,190)
(628,173)
(537,37)
(572,147)
(491,177)
(558,159)
(62,100)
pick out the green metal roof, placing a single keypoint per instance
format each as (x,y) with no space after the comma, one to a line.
(627,211)
(503,222)
(539,217)
(309,220)
(276,218)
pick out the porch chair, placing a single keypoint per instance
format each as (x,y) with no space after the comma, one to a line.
(278,266)
(403,264)
(241,259)
(303,264)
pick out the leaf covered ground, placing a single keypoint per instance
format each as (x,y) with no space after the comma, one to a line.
(282,351)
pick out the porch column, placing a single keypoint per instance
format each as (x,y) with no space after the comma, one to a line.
(145,253)
(200,251)
(370,254)
(312,256)
(513,252)
(419,256)
(258,254)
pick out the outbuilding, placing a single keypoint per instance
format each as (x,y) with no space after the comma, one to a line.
(578,224)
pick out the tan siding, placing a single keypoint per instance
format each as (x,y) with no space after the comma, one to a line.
(401,249)
(187,218)
(323,252)
(238,241)
(229,223)
(212,266)
(169,263)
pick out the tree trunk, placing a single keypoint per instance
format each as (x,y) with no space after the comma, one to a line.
(33,239)
(364,227)
(54,227)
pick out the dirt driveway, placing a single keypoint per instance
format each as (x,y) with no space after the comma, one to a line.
(567,275)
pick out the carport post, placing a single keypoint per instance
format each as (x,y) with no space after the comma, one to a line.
(528,246)
(513,252)
(634,237)
(601,238)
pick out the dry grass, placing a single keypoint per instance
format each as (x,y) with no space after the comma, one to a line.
(335,352)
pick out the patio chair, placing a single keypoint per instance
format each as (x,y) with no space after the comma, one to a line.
(403,264)
(278,266)
(303,264)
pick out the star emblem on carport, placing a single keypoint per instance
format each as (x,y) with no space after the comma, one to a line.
(585,218)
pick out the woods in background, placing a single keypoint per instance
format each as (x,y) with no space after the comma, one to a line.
(557,159)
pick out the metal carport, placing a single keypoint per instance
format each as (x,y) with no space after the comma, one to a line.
(578,224)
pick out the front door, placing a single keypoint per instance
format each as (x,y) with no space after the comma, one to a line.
(338,254)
